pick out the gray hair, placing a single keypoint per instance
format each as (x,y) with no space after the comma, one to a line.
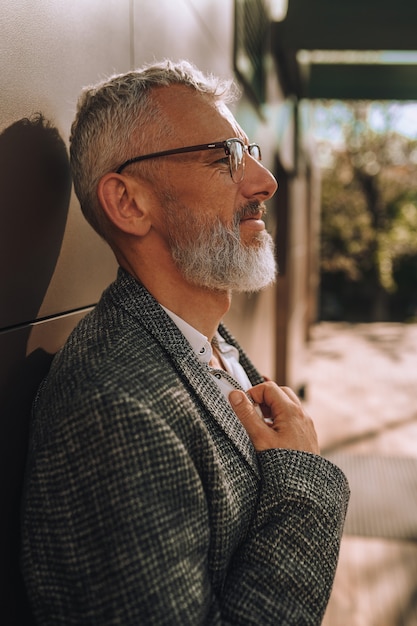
(112,124)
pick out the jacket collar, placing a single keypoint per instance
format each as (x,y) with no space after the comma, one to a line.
(127,292)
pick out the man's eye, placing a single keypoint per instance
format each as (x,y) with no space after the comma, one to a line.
(223,161)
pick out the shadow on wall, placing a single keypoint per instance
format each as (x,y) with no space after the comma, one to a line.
(35,187)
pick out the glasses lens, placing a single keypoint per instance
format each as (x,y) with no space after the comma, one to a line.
(255,151)
(236,151)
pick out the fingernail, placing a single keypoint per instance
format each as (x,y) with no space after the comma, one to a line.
(236,397)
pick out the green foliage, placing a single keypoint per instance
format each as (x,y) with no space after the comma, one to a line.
(400,239)
(346,230)
(369,205)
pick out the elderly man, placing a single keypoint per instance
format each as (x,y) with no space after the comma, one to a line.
(158,491)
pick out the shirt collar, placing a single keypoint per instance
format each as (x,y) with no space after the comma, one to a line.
(199,342)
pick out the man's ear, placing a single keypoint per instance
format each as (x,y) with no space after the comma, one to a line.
(123,203)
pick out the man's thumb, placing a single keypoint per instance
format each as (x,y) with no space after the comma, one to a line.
(244,409)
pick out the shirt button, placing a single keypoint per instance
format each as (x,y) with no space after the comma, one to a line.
(203,350)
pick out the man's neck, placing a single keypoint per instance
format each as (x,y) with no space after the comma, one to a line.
(200,307)
(150,261)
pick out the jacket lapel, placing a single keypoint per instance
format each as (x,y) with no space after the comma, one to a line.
(126,291)
(214,403)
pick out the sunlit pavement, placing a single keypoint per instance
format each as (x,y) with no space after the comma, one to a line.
(362,393)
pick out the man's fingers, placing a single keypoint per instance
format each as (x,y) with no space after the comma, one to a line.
(291,394)
(245,410)
(290,426)
(271,395)
(254,425)
(242,406)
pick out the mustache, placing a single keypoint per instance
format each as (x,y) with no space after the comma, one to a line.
(250,209)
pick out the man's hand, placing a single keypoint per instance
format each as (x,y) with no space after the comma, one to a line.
(285,423)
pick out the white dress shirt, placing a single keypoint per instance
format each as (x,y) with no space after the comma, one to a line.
(234,376)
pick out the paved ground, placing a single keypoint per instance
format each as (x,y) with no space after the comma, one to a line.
(362,393)
(362,386)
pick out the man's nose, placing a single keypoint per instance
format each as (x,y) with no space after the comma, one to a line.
(258,181)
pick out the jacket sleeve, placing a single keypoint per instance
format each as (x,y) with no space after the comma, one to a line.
(283,573)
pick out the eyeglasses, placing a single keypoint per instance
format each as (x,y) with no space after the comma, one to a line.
(234,149)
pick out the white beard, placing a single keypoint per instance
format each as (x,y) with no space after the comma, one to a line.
(214,256)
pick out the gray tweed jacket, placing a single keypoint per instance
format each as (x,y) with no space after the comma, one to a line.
(145,502)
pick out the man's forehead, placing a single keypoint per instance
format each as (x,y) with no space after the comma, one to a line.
(226,113)
(191,112)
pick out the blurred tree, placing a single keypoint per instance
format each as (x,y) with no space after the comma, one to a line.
(369,214)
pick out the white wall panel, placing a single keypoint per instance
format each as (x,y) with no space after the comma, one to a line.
(198,30)
(50,50)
